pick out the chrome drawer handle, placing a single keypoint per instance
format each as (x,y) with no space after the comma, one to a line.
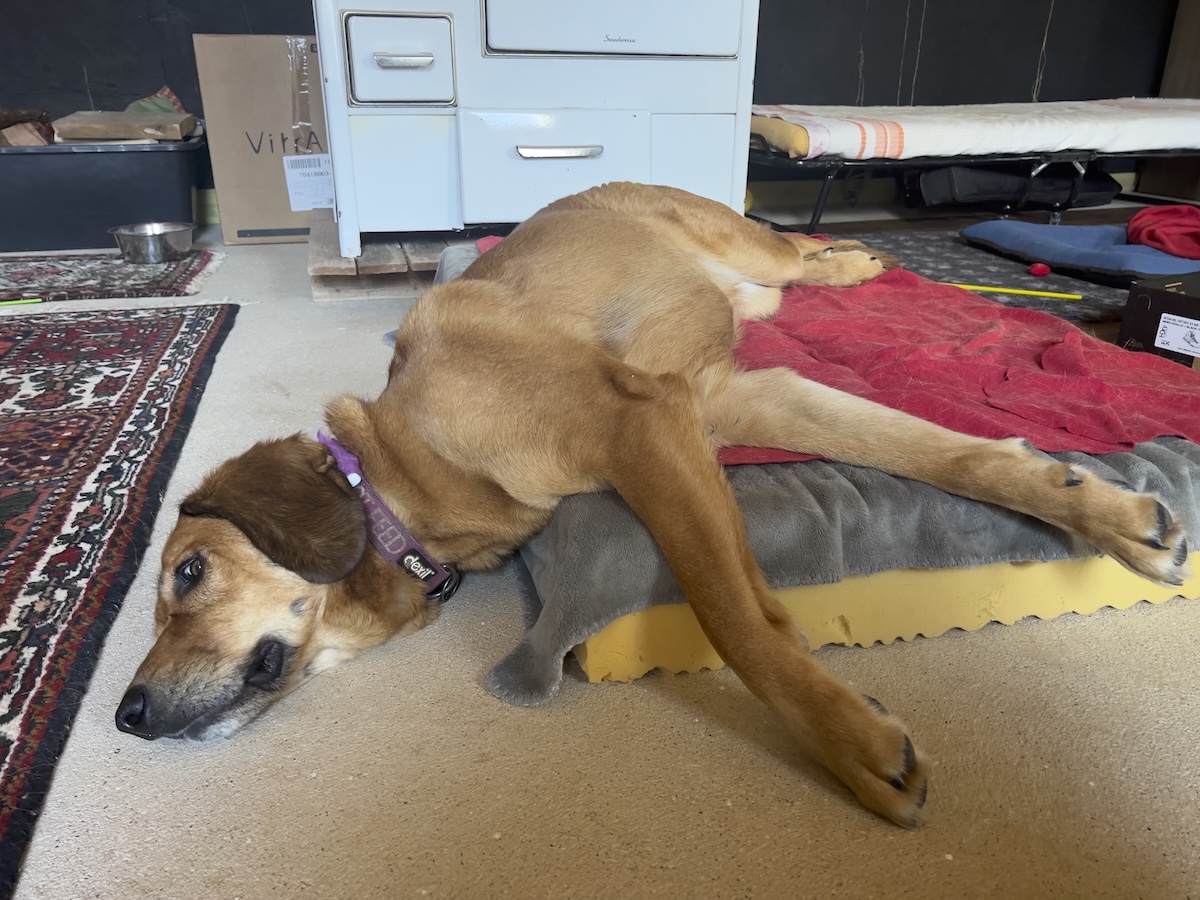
(403,60)
(586,151)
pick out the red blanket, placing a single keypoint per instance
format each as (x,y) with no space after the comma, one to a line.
(951,357)
(1172,229)
(972,365)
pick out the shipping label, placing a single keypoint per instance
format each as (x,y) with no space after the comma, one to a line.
(310,182)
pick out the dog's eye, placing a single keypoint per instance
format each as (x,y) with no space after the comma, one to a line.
(188,574)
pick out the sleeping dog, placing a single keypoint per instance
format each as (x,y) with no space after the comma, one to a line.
(591,348)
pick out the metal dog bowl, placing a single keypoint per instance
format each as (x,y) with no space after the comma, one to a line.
(154,242)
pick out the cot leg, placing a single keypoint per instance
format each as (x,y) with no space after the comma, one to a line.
(822,197)
(1034,172)
(1076,186)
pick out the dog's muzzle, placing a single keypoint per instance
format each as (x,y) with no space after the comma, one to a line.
(173,711)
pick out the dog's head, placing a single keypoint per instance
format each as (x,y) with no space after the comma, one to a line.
(266,580)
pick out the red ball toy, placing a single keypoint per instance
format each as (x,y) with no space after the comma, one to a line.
(1039,269)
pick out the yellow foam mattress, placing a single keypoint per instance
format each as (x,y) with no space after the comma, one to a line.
(884,607)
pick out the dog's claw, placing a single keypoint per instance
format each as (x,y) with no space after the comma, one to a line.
(910,763)
(1165,520)
(923,796)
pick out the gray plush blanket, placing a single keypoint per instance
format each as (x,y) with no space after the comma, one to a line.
(809,523)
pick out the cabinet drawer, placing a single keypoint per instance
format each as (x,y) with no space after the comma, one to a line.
(406,172)
(400,59)
(514,163)
(622,27)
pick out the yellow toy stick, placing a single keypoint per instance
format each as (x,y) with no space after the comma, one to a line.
(1000,290)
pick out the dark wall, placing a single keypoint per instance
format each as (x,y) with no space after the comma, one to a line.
(936,52)
(65,55)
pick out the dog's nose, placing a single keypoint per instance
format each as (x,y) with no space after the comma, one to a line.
(135,714)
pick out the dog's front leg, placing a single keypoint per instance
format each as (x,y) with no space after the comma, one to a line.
(663,465)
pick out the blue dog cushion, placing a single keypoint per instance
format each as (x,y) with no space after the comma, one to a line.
(1097,253)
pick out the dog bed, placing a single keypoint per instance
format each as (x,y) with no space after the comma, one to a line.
(859,556)
(1098,253)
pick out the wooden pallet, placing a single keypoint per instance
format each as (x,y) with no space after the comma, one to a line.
(395,267)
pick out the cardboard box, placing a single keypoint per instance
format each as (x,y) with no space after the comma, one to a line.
(1162,316)
(263,110)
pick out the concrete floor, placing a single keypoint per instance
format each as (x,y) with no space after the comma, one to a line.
(1065,751)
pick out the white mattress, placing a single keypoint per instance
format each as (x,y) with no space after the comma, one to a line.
(904,132)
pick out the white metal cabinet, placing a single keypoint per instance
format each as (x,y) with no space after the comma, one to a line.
(640,90)
(714,141)
(514,163)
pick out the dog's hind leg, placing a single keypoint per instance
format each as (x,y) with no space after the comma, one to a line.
(778,408)
(725,242)
(750,257)
(662,463)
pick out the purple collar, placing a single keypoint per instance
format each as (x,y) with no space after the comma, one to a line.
(386,532)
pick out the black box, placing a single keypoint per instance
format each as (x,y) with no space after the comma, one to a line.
(1162,316)
(67,196)
(1009,184)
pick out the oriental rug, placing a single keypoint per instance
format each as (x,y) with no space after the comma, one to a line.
(94,410)
(100,276)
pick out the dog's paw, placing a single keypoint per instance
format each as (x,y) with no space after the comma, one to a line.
(845,264)
(1156,546)
(1151,542)
(886,259)
(1137,529)
(877,759)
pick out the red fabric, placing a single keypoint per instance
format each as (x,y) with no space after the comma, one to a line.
(970,364)
(1172,229)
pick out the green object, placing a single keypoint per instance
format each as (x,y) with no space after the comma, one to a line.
(21,301)
(151,105)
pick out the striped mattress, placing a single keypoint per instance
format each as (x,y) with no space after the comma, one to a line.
(1129,125)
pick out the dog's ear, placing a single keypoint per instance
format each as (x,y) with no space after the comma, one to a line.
(291,501)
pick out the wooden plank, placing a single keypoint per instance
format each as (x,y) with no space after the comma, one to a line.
(23,134)
(324,247)
(125,142)
(91,125)
(423,253)
(382,258)
(394,286)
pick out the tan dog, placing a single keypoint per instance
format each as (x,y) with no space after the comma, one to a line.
(593,347)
